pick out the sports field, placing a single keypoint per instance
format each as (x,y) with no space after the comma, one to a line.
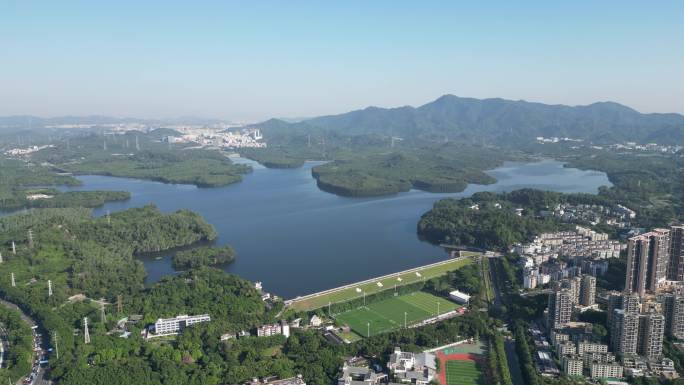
(349,292)
(390,314)
(463,372)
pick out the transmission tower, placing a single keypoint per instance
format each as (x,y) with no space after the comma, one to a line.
(102,313)
(86,334)
(49,288)
(119,303)
(30,238)
(14,283)
(14,248)
(56,345)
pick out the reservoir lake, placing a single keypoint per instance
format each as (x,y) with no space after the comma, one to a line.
(297,239)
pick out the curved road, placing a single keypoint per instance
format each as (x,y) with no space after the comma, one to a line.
(40,376)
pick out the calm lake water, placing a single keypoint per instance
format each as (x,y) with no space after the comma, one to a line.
(298,239)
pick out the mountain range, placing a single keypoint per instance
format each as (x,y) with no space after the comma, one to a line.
(501,121)
(453,118)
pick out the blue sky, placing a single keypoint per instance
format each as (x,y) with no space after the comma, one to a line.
(252,60)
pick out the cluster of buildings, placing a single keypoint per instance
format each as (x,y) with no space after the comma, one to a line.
(648,147)
(584,251)
(618,216)
(650,308)
(626,146)
(403,368)
(26,151)
(238,138)
(555,139)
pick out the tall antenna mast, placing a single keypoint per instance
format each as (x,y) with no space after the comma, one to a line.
(86,334)
(49,288)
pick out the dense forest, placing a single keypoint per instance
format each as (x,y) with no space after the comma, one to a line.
(20,181)
(443,168)
(144,156)
(202,256)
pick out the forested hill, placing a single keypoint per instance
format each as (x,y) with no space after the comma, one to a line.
(502,121)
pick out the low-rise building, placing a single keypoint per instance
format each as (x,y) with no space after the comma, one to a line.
(315,321)
(414,368)
(170,326)
(281,327)
(298,380)
(355,375)
(590,347)
(459,297)
(572,365)
(605,370)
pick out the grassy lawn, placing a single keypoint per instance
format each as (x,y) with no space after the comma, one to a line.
(463,373)
(387,315)
(349,293)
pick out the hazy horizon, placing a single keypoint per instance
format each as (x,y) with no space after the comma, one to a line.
(248,62)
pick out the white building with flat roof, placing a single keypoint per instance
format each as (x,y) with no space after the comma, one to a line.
(459,297)
(168,326)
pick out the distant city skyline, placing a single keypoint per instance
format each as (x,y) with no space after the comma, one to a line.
(250,61)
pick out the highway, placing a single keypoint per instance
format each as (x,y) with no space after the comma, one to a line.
(40,371)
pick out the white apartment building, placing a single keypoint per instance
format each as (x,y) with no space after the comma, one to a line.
(605,370)
(572,366)
(168,326)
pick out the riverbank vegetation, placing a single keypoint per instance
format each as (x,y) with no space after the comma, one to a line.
(143,156)
(26,184)
(91,258)
(202,256)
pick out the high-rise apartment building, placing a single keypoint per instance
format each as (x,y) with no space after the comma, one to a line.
(560,308)
(651,331)
(588,291)
(625,332)
(676,267)
(648,258)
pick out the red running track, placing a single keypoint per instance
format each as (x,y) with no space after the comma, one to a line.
(443,358)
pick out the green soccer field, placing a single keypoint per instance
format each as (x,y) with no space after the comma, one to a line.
(463,373)
(389,314)
(399,279)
